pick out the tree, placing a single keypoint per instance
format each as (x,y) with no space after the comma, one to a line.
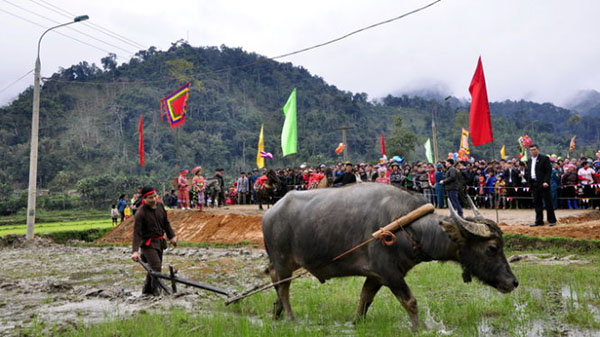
(180,69)
(109,63)
(403,141)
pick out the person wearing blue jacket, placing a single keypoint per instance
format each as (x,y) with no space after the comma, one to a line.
(555,177)
(121,204)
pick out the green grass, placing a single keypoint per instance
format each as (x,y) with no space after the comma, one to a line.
(59,226)
(560,245)
(44,216)
(566,295)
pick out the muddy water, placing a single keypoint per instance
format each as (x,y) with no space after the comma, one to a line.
(68,285)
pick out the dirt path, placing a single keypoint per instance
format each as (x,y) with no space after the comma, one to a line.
(238,224)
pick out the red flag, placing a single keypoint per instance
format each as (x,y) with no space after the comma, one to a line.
(382,141)
(480,122)
(141,146)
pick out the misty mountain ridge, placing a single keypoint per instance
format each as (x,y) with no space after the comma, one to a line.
(585,102)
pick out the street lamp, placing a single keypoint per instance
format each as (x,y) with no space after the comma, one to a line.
(35,121)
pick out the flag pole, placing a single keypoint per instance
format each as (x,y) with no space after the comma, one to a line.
(435,146)
(495,189)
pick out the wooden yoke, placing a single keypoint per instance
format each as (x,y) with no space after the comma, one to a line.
(405,220)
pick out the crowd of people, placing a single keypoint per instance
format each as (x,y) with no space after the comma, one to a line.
(574,183)
(541,182)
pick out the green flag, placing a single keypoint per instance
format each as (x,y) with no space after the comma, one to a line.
(428,152)
(289,134)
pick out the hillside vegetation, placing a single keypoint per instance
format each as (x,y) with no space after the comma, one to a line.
(89,117)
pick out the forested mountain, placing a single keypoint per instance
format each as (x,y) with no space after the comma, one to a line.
(89,117)
(586,102)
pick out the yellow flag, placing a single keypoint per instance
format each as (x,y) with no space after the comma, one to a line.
(503,153)
(260,161)
(464,141)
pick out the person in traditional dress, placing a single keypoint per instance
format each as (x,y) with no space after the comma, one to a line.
(183,198)
(382,175)
(198,186)
(151,225)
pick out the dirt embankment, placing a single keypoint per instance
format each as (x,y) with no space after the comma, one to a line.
(236,224)
(581,226)
(216,226)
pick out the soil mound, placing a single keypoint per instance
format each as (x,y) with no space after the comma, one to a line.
(243,223)
(207,226)
(583,226)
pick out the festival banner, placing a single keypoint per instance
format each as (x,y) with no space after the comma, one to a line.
(141,141)
(289,133)
(572,144)
(260,161)
(428,151)
(382,141)
(524,143)
(175,105)
(463,150)
(503,153)
(480,123)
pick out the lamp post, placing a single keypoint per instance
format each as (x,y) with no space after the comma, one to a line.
(35,121)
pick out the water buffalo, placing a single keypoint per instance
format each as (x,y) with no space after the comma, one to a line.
(309,228)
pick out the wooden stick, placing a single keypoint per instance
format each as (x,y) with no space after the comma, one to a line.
(405,220)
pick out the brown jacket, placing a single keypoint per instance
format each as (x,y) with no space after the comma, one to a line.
(151,223)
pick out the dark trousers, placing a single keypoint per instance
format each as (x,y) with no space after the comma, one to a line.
(153,257)
(511,194)
(540,197)
(453,196)
(439,192)
(218,196)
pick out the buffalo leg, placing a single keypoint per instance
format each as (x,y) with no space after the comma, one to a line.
(283,291)
(369,290)
(405,296)
(277,306)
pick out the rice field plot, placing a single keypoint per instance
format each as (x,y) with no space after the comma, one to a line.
(58,226)
(554,298)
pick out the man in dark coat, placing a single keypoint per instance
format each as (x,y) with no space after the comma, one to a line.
(346,178)
(511,177)
(219,194)
(149,230)
(451,185)
(538,174)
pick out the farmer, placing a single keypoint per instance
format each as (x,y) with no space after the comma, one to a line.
(151,224)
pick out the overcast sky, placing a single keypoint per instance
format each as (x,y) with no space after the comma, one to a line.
(540,50)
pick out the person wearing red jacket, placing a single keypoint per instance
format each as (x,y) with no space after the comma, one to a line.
(314,180)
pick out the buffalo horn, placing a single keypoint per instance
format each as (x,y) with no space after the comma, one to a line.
(476,212)
(472,227)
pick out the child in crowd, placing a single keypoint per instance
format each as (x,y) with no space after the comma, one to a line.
(501,189)
(114,214)
(127,212)
(481,198)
